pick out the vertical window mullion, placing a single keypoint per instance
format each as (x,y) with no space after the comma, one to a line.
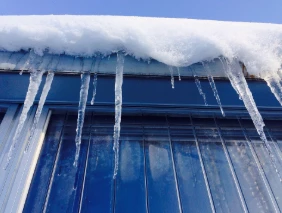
(173,166)
(203,166)
(235,179)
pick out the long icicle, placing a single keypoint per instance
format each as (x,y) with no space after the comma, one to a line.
(238,80)
(85,79)
(198,84)
(118,107)
(94,88)
(45,91)
(214,89)
(34,83)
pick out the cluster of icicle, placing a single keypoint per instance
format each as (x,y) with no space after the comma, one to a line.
(231,67)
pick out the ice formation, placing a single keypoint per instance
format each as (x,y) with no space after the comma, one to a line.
(45,91)
(178,72)
(213,86)
(95,79)
(118,106)
(94,88)
(235,75)
(85,79)
(171,76)
(274,83)
(34,83)
(198,84)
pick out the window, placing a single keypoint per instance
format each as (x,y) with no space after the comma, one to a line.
(15,174)
(168,163)
(176,154)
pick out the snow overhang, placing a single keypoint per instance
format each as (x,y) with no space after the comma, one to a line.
(174,42)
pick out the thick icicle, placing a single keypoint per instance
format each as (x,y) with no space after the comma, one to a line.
(275,86)
(238,81)
(85,79)
(178,71)
(213,86)
(45,91)
(118,106)
(198,84)
(34,83)
(172,77)
(29,62)
(224,68)
(94,87)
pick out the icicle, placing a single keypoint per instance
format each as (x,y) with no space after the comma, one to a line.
(172,77)
(212,83)
(118,106)
(30,60)
(45,91)
(238,81)
(178,71)
(34,83)
(85,79)
(224,68)
(94,88)
(275,86)
(213,86)
(198,84)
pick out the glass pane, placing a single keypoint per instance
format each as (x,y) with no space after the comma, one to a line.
(192,187)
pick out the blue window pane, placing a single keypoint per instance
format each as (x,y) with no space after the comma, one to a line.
(39,186)
(160,167)
(99,183)
(130,183)
(193,191)
(251,183)
(223,189)
(273,173)
(162,187)
(67,179)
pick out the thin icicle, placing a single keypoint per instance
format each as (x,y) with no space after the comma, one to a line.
(198,84)
(94,88)
(171,75)
(178,71)
(238,81)
(34,83)
(85,79)
(118,107)
(45,91)
(213,86)
(212,83)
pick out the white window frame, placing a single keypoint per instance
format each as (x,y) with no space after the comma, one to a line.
(16,178)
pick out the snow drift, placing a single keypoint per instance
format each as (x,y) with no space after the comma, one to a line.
(175,42)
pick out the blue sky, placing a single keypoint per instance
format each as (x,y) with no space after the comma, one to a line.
(230,10)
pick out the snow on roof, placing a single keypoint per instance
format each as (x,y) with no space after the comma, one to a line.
(176,42)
